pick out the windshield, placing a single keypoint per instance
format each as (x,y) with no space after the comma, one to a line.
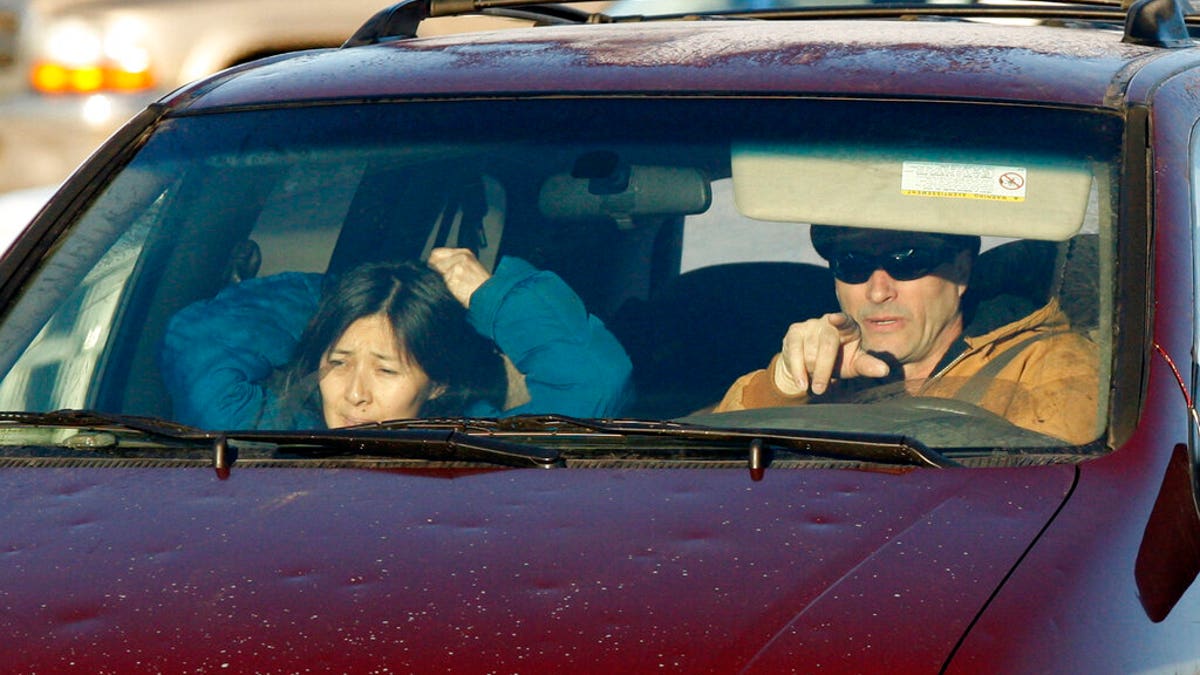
(340,265)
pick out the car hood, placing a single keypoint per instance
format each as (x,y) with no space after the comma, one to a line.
(279,569)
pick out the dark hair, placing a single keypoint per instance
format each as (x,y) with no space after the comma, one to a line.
(430,326)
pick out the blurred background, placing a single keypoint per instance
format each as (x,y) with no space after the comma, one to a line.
(72,71)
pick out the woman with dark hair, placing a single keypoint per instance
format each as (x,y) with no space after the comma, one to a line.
(392,341)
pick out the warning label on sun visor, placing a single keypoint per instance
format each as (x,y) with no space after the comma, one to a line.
(963,181)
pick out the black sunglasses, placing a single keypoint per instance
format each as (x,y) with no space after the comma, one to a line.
(906,264)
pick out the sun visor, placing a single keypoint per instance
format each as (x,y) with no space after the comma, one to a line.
(1030,198)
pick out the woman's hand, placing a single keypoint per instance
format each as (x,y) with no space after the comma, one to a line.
(461,270)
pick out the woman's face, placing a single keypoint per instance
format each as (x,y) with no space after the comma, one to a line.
(365,378)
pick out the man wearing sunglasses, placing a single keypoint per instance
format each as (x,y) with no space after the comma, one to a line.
(902,327)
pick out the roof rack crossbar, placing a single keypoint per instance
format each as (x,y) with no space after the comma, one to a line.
(401,20)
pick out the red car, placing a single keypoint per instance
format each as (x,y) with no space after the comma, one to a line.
(200,473)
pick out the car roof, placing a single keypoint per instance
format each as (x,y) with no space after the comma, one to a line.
(940,59)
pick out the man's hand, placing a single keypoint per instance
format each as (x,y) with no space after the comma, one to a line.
(461,271)
(813,348)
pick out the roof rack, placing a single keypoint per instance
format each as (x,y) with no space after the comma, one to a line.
(400,21)
(1156,23)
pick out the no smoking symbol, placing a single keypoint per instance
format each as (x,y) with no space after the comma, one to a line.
(1012,181)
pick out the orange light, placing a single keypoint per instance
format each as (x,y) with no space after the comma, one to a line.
(117,79)
(55,78)
(49,77)
(86,80)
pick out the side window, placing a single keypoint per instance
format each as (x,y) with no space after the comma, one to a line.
(55,370)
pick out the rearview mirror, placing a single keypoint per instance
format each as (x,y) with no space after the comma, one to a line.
(643,191)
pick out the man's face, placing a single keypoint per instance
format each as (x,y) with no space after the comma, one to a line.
(915,320)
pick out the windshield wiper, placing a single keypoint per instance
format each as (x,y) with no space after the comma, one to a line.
(483,440)
(437,445)
(865,447)
(431,444)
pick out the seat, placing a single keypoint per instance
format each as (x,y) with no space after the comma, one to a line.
(400,214)
(1016,278)
(692,339)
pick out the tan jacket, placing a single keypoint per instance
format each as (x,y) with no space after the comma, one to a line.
(1051,386)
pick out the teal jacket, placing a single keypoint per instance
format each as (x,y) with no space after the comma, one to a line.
(218,355)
